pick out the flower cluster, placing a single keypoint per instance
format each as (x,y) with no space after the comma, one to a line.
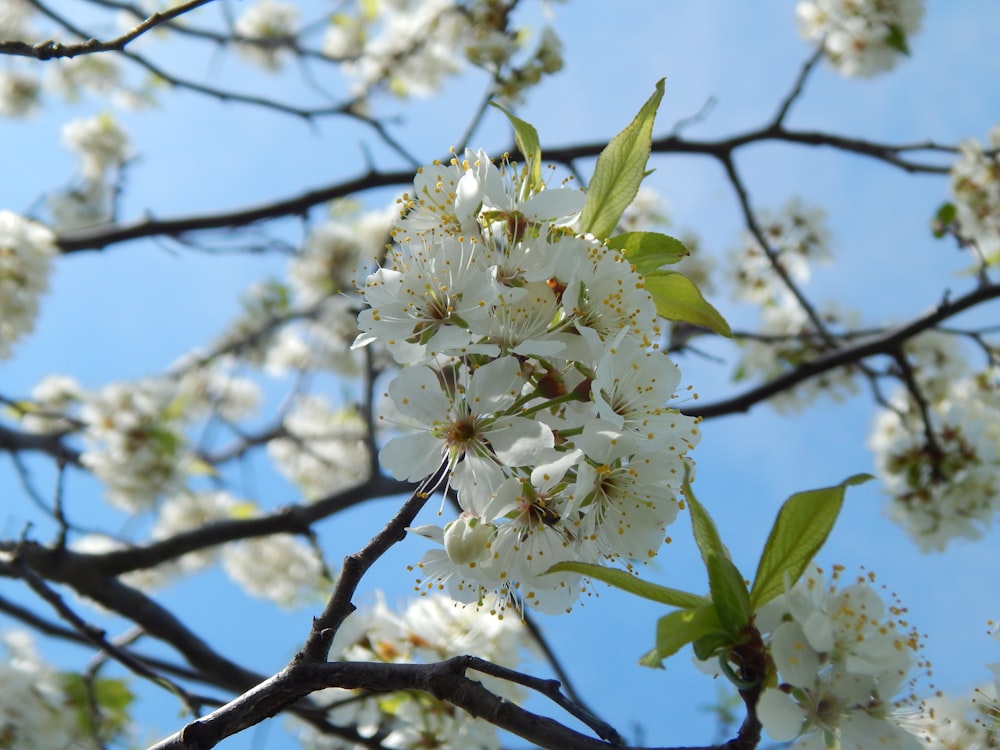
(860,37)
(36,708)
(975,186)
(411,47)
(266,29)
(430,629)
(533,373)
(26,250)
(323,449)
(787,336)
(943,476)
(842,655)
(279,567)
(136,443)
(103,148)
(134,432)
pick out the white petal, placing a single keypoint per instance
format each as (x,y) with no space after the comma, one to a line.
(780,714)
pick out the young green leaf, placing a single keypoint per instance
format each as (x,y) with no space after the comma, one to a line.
(619,170)
(729,593)
(946,214)
(896,39)
(802,526)
(711,644)
(625,581)
(649,251)
(677,629)
(526,138)
(677,298)
(706,535)
(110,695)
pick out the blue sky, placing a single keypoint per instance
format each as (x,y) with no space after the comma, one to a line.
(132,310)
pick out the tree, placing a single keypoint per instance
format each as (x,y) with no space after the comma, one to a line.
(265,147)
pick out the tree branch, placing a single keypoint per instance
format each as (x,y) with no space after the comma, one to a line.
(883,343)
(50,50)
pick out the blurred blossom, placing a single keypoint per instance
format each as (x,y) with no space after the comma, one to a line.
(19,93)
(843,656)
(26,251)
(860,37)
(268,28)
(323,450)
(975,187)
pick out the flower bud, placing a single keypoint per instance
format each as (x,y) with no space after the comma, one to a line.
(466,539)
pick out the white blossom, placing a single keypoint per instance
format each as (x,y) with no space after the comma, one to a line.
(533,379)
(35,709)
(26,250)
(100,142)
(860,37)
(280,567)
(842,656)
(943,477)
(267,29)
(323,449)
(136,445)
(975,187)
(19,93)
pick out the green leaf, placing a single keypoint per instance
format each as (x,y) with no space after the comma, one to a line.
(711,644)
(896,39)
(619,171)
(945,217)
(526,138)
(677,629)
(802,526)
(677,298)
(729,594)
(706,535)
(112,696)
(648,251)
(625,581)
(651,659)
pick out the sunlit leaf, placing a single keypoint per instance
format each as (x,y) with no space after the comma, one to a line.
(677,298)
(649,251)
(677,629)
(526,138)
(802,526)
(945,217)
(729,593)
(625,581)
(619,171)
(706,535)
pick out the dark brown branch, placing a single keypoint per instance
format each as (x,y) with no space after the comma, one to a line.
(98,238)
(340,605)
(80,573)
(97,636)
(50,50)
(295,519)
(884,343)
(445,680)
(673,144)
(13,441)
(797,87)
